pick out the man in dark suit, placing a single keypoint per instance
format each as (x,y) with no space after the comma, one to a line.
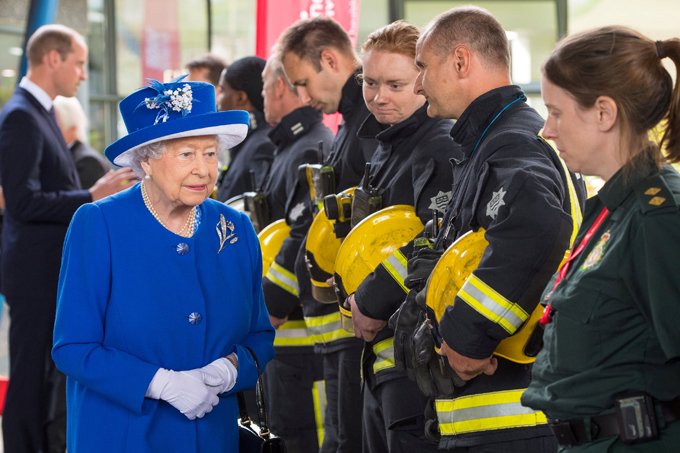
(42,191)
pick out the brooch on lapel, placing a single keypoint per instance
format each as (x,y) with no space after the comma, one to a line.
(223,227)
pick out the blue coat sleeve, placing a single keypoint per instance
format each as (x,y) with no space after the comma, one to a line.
(260,340)
(84,283)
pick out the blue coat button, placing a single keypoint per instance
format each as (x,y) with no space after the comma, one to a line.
(194,318)
(182,248)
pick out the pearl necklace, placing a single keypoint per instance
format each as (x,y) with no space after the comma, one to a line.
(187,229)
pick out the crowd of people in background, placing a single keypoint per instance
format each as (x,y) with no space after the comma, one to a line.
(141,301)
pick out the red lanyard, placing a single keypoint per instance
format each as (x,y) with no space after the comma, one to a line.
(545,318)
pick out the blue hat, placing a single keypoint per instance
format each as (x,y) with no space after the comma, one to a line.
(164,111)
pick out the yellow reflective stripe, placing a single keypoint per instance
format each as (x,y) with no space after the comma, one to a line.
(492,305)
(284,278)
(293,333)
(576,215)
(384,355)
(326,329)
(395,264)
(319,400)
(485,412)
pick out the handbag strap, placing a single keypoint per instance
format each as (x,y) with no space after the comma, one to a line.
(259,402)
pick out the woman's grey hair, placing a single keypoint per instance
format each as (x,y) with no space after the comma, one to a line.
(157,149)
(70,114)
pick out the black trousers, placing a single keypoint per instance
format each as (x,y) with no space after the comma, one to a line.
(543,444)
(34,417)
(393,418)
(342,422)
(292,386)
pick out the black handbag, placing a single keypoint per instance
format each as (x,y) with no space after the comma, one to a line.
(251,437)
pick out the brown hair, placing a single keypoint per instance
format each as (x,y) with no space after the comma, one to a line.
(625,65)
(48,38)
(398,37)
(307,38)
(474,27)
(212,63)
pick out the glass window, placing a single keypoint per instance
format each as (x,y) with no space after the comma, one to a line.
(10,55)
(233,25)
(531,27)
(373,14)
(101,82)
(12,23)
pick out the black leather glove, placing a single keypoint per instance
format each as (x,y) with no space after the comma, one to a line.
(414,349)
(420,266)
(404,322)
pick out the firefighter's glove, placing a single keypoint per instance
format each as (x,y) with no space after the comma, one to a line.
(436,379)
(404,322)
(420,266)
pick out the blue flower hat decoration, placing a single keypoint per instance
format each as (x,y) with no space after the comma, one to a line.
(165,111)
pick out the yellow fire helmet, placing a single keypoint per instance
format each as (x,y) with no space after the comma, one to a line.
(271,239)
(370,242)
(321,250)
(448,277)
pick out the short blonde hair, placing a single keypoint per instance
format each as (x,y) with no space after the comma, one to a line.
(398,37)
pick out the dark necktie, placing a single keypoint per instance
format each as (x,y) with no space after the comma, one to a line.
(53,115)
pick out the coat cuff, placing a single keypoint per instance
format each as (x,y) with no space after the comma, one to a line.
(379,296)
(280,303)
(465,332)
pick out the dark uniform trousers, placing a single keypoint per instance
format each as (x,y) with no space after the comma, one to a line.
(342,420)
(544,444)
(296,420)
(396,422)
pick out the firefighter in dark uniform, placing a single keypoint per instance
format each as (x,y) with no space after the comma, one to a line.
(240,88)
(320,61)
(293,377)
(608,375)
(511,183)
(411,167)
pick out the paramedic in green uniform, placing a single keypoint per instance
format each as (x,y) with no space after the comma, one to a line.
(608,377)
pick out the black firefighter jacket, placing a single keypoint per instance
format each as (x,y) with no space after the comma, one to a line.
(410,166)
(297,139)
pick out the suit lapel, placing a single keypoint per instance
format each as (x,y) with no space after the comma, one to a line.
(56,133)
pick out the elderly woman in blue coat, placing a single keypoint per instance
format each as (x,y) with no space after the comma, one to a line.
(160,306)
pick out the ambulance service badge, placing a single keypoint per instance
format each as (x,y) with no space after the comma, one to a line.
(596,254)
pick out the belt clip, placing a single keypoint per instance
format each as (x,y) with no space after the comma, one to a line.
(563,432)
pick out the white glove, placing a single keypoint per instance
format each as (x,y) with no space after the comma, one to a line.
(219,375)
(185,392)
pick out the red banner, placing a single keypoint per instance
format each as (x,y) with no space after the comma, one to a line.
(160,39)
(274,16)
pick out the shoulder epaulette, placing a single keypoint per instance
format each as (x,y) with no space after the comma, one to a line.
(655,193)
